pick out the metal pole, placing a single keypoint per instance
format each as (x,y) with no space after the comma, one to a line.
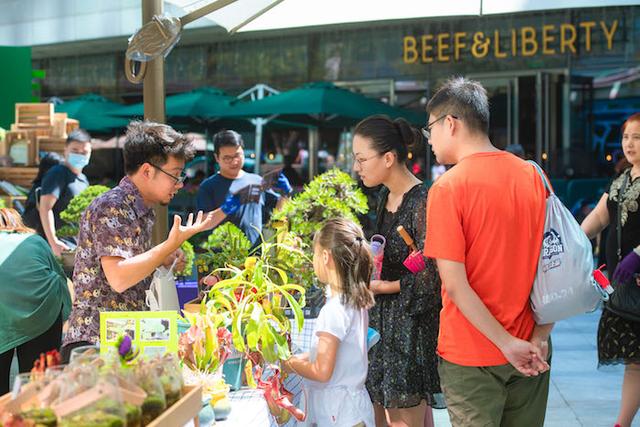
(566,121)
(153,98)
(314,137)
(516,110)
(509,111)
(259,125)
(204,11)
(539,118)
(547,120)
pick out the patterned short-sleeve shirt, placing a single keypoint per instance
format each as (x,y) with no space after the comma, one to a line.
(115,224)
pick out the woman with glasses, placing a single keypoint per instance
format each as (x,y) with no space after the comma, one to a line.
(402,377)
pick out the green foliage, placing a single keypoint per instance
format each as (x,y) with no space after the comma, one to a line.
(71,215)
(189,256)
(332,194)
(256,296)
(226,245)
(2,204)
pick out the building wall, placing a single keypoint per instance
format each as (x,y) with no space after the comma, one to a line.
(583,40)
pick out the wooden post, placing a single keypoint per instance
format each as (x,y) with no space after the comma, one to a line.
(154,108)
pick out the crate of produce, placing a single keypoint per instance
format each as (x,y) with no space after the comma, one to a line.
(34,114)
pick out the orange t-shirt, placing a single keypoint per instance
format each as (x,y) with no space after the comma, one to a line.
(488,213)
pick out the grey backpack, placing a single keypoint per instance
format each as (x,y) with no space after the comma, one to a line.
(564,284)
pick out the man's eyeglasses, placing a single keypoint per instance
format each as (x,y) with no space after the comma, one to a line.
(426,131)
(179,179)
(229,159)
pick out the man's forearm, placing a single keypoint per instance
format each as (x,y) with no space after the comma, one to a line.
(47,220)
(542,332)
(456,284)
(123,274)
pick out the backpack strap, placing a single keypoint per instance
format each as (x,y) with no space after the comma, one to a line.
(543,177)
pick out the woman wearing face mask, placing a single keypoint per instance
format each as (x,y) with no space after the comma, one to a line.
(60,185)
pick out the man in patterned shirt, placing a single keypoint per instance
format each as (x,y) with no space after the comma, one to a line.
(115,260)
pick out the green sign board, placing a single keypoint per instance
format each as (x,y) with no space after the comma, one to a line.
(15,81)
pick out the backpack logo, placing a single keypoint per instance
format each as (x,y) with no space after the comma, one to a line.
(551,244)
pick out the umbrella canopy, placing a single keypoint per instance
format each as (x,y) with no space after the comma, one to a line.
(321,104)
(204,102)
(93,113)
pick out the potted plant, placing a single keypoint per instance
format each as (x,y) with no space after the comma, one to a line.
(332,194)
(203,349)
(71,216)
(254,298)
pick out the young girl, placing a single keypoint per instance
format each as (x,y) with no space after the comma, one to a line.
(336,368)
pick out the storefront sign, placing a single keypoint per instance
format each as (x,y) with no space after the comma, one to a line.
(526,41)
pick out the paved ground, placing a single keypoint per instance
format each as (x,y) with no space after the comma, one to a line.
(580,393)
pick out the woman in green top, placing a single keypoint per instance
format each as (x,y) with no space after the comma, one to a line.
(34,298)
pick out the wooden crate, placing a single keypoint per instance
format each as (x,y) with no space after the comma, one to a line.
(22,176)
(72,124)
(22,135)
(183,411)
(51,144)
(59,129)
(34,114)
(179,414)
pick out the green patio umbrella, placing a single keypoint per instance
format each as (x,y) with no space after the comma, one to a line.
(204,109)
(204,102)
(92,111)
(321,104)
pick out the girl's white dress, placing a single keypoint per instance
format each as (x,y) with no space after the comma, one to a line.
(343,401)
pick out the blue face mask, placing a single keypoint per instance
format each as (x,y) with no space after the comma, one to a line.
(78,161)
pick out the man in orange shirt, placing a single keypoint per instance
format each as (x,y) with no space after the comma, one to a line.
(485,221)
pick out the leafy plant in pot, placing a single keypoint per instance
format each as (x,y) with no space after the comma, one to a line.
(71,216)
(255,297)
(329,195)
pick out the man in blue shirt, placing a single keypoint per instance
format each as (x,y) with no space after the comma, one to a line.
(216,191)
(61,184)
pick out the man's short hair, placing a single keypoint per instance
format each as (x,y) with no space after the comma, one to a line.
(78,135)
(227,138)
(149,142)
(466,99)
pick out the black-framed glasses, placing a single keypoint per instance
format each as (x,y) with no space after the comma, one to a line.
(426,131)
(179,179)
